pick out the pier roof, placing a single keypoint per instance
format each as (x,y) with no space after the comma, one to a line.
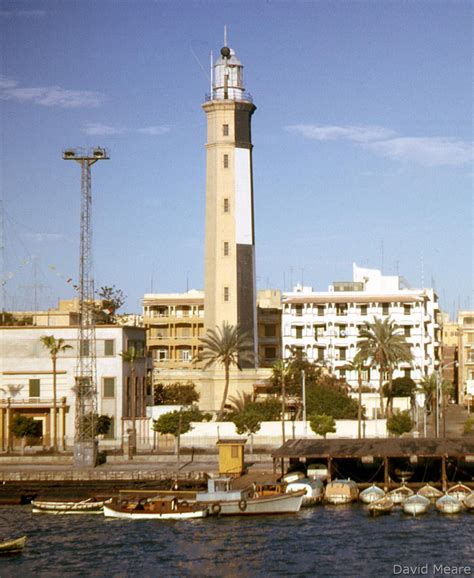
(377,448)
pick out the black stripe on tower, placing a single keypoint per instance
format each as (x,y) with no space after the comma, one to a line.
(246,293)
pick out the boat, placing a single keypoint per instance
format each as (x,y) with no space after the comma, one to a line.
(459,491)
(153,508)
(88,506)
(416,505)
(469,502)
(12,546)
(314,490)
(371,494)
(292,477)
(341,492)
(382,506)
(263,498)
(317,471)
(448,505)
(430,492)
(400,494)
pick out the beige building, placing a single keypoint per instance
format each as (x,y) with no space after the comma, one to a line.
(466,357)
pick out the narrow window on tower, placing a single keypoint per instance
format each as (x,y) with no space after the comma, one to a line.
(226,161)
(226,294)
(226,248)
(225,130)
(226,205)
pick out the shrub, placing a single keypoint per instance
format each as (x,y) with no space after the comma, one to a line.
(400,423)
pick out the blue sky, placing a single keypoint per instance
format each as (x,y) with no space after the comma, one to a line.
(362,141)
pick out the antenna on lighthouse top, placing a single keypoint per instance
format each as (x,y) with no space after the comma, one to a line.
(225,34)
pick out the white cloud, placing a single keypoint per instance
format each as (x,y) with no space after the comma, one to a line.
(359,134)
(50,95)
(427,151)
(154,130)
(98,128)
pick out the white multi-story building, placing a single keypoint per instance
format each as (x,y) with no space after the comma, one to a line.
(26,382)
(325,325)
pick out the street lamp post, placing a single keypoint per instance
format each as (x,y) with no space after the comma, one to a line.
(303,395)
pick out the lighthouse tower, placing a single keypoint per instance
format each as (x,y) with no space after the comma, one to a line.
(230,293)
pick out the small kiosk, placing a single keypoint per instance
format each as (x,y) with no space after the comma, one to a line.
(231,456)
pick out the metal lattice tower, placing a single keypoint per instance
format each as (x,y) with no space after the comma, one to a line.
(85,377)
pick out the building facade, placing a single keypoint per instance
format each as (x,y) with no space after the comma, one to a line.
(26,382)
(325,325)
(466,357)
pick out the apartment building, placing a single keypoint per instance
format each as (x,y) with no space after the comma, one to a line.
(325,325)
(466,357)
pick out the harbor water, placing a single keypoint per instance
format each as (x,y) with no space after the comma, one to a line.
(325,541)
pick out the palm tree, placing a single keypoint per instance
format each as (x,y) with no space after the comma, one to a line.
(282,370)
(54,346)
(229,346)
(384,346)
(358,364)
(241,401)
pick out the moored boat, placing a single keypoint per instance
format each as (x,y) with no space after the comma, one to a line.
(400,494)
(341,492)
(317,471)
(468,502)
(371,494)
(12,546)
(382,506)
(256,499)
(314,490)
(88,506)
(448,504)
(415,505)
(430,492)
(292,477)
(459,491)
(153,508)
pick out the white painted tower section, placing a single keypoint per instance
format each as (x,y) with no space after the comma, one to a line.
(230,289)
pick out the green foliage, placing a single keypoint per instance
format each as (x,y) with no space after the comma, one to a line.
(175,393)
(100,423)
(469,425)
(8,319)
(23,426)
(247,420)
(322,424)
(53,345)
(401,387)
(111,300)
(289,371)
(400,423)
(179,422)
(329,396)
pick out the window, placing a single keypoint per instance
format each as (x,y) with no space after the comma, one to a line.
(225,130)
(226,294)
(109,349)
(320,353)
(299,310)
(226,205)
(342,353)
(365,374)
(407,330)
(270,330)
(34,388)
(226,161)
(110,435)
(341,309)
(226,249)
(162,354)
(319,331)
(320,310)
(363,309)
(108,386)
(185,355)
(299,332)
(407,373)
(342,373)
(234,451)
(384,308)
(270,352)
(406,309)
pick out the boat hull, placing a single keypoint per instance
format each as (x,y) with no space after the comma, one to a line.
(279,504)
(416,505)
(12,546)
(448,505)
(371,494)
(84,507)
(111,512)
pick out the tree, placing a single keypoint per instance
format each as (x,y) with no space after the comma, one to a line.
(229,346)
(282,369)
(175,393)
(111,300)
(322,424)
(400,423)
(427,386)
(54,346)
(101,423)
(384,346)
(358,364)
(23,427)
(328,395)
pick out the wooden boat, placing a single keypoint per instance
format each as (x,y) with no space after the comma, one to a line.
(371,494)
(153,508)
(448,505)
(314,490)
(430,492)
(292,477)
(382,506)
(341,492)
(13,546)
(400,494)
(317,471)
(459,491)
(269,498)
(89,506)
(415,505)
(468,502)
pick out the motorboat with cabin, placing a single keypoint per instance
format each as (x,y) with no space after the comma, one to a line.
(341,492)
(314,489)
(159,507)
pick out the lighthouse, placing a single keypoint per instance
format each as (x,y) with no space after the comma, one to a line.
(230,291)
